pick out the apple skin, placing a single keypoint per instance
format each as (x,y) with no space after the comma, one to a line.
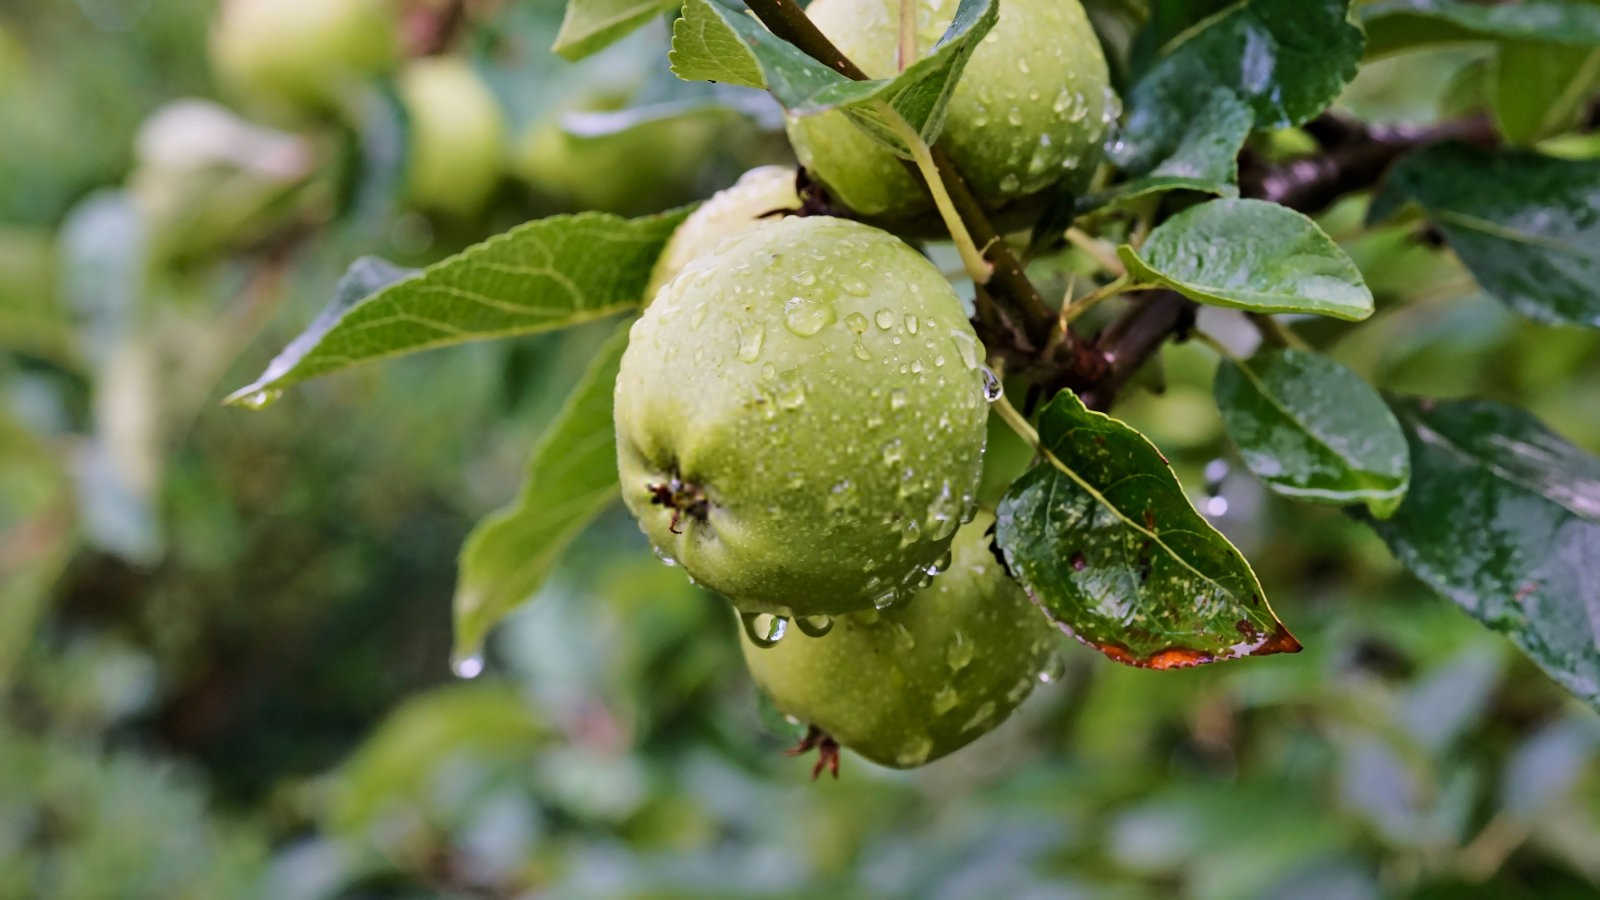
(800,417)
(294,59)
(920,680)
(458,136)
(1030,111)
(746,203)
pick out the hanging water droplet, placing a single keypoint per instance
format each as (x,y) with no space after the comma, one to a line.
(992,388)
(469,666)
(260,399)
(966,348)
(814,626)
(751,336)
(665,557)
(1054,668)
(764,630)
(806,316)
(940,565)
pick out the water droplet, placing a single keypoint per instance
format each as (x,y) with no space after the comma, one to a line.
(751,337)
(792,395)
(884,318)
(262,398)
(855,287)
(887,600)
(856,322)
(992,388)
(916,752)
(983,714)
(764,629)
(911,324)
(1054,668)
(814,626)
(860,351)
(469,666)
(1022,65)
(897,398)
(665,557)
(959,654)
(903,638)
(939,565)
(966,348)
(945,700)
(1010,183)
(806,316)
(910,533)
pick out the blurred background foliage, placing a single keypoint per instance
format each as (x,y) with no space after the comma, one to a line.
(224,636)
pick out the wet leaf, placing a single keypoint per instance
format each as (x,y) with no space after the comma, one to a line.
(592,25)
(1313,430)
(1255,255)
(1503,517)
(571,477)
(1395,25)
(1105,541)
(1526,225)
(544,275)
(1282,60)
(716,40)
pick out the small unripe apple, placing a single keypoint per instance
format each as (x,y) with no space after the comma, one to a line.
(754,198)
(458,136)
(800,417)
(291,57)
(1030,110)
(910,684)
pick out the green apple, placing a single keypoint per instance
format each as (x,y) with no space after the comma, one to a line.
(751,200)
(458,136)
(1030,110)
(913,683)
(800,417)
(291,57)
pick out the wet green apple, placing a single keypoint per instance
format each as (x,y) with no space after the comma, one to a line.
(915,682)
(1030,110)
(290,57)
(800,417)
(749,201)
(458,136)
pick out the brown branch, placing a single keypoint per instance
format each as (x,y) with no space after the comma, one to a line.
(1033,317)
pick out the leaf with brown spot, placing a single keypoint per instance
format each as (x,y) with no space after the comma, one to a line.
(1104,539)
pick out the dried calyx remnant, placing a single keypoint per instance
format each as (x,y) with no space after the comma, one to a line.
(827,751)
(683,497)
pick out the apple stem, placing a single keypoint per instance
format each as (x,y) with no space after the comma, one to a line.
(980,269)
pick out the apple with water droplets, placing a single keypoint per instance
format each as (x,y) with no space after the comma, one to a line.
(800,417)
(1031,109)
(910,684)
(760,195)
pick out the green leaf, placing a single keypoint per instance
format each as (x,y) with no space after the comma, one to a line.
(1282,60)
(1503,517)
(1200,151)
(1313,430)
(592,25)
(1395,25)
(1105,541)
(1527,226)
(715,41)
(1538,89)
(540,276)
(571,477)
(1254,255)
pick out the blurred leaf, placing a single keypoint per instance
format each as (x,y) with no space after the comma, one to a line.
(36,536)
(1313,430)
(1394,25)
(1540,89)
(1283,60)
(32,317)
(1527,226)
(1254,255)
(715,41)
(540,276)
(1105,541)
(590,25)
(571,477)
(1503,517)
(452,725)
